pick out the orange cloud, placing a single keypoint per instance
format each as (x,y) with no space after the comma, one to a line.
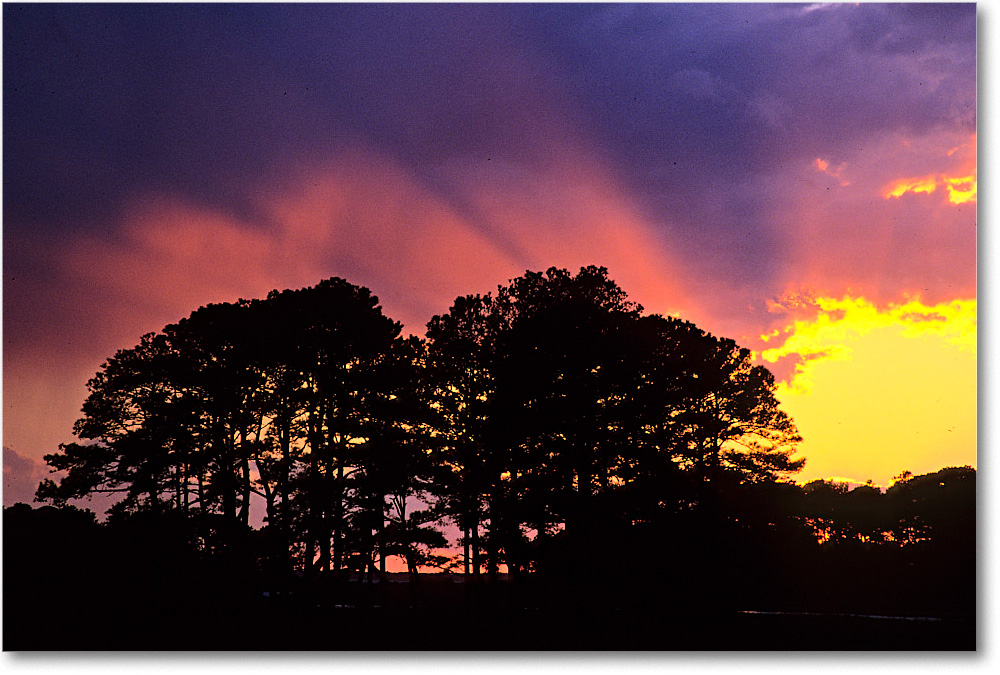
(961,189)
(364,216)
(926,184)
(823,166)
(361,217)
(837,240)
(960,182)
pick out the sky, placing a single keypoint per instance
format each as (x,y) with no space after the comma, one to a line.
(801,178)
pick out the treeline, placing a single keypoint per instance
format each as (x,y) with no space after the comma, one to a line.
(822,553)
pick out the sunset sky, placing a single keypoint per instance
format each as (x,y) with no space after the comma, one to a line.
(801,178)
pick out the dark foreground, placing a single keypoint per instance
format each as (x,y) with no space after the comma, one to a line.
(73,586)
(412,630)
(446,618)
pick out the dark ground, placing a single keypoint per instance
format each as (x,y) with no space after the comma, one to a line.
(71,585)
(444,618)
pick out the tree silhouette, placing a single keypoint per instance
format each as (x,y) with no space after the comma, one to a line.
(127,414)
(568,409)
(615,463)
(461,358)
(265,397)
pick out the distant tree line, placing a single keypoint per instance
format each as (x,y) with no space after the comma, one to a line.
(577,443)
(822,551)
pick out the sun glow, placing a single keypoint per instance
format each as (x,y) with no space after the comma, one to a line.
(876,391)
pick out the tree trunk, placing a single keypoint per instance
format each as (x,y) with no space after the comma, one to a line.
(283,521)
(227,488)
(246,490)
(477,562)
(177,486)
(493,543)
(338,521)
(381,548)
(466,535)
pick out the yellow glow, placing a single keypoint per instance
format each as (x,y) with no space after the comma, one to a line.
(822,164)
(879,391)
(926,184)
(961,190)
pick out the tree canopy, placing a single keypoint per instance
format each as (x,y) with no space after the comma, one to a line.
(552,409)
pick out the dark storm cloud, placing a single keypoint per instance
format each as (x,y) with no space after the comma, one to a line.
(689,95)
(101,101)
